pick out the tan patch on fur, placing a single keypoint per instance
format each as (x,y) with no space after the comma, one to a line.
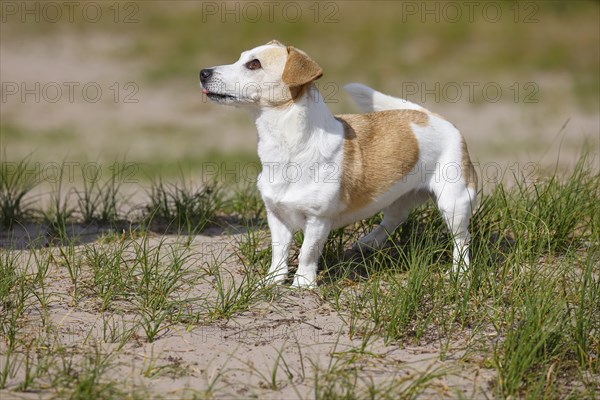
(300,69)
(467,166)
(380,148)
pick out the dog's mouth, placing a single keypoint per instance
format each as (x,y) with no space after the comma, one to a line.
(218,97)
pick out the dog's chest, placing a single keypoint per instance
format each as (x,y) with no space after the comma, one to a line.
(300,179)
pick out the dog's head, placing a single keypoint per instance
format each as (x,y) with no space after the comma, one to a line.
(267,76)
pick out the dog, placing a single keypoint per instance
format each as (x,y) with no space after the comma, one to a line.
(321,172)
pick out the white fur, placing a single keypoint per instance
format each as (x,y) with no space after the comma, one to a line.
(301,148)
(369,100)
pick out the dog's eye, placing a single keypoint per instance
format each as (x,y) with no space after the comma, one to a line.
(254,64)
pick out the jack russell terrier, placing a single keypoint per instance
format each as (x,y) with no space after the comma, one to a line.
(321,171)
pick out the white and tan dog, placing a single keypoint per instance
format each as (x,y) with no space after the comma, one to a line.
(322,171)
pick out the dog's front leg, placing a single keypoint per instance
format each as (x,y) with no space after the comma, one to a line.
(315,234)
(281,239)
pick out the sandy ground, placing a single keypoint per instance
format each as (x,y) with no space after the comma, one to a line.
(275,350)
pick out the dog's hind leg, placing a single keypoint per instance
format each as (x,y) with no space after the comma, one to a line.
(393,215)
(456,202)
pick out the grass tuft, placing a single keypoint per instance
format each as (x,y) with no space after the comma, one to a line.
(99,201)
(17,179)
(182,206)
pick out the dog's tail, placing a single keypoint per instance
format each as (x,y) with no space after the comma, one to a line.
(369,100)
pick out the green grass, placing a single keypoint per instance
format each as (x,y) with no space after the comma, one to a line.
(526,309)
(183,207)
(99,200)
(341,380)
(16,181)
(535,261)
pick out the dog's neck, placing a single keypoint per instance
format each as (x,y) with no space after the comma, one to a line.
(289,128)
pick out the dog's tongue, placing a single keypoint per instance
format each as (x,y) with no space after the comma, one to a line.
(204,91)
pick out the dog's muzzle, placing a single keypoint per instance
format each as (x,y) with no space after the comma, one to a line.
(214,88)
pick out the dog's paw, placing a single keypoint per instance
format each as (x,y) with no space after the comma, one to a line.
(366,246)
(273,279)
(459,272)
(302,282)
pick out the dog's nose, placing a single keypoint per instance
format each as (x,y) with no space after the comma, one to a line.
(205,74)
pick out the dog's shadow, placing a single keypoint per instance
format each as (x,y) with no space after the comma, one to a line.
(31,235)
(356,265)
(36,235)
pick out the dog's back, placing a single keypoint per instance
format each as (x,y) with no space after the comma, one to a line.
(369,100)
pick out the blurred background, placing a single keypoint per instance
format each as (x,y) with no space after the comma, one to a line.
(118,81)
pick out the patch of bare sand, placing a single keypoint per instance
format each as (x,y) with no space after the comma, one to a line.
(77,99)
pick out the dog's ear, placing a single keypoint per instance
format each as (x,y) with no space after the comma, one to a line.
(276,43)
(300,69)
